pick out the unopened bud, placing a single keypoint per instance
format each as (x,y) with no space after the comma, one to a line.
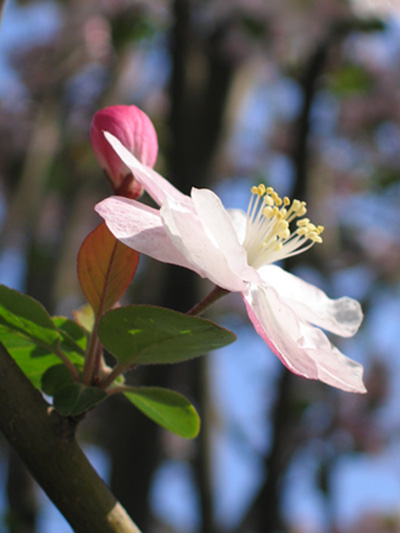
(134,129)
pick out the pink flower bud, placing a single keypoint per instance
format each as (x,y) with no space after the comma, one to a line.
(136,132)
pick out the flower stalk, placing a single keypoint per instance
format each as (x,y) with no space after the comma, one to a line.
(206,302)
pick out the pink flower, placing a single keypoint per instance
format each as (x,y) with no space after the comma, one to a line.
(236,251)
(135,131)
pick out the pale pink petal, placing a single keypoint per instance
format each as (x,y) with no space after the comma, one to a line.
(279,326)
(218,226)
(342,316)
(304,349)
(189,237)
(154,184)
(140,227)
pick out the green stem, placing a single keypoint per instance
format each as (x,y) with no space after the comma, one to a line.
(212,297)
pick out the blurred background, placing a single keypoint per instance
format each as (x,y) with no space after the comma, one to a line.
(301,94)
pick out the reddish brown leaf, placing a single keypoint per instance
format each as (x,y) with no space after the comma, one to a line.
(105,268)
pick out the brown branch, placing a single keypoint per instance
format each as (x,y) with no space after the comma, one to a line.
(45,442)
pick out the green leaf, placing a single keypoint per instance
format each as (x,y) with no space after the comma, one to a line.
(75,398)
(167,408)
(32,359)
(55,378)
(143,334)
(25,315)
(73,337)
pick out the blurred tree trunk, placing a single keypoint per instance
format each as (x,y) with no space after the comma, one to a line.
(198,100)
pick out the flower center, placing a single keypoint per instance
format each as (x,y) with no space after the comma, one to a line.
(268,235)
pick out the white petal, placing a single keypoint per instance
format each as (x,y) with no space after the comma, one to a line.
(334,368)
(189,237)
(239,220)
(154,184)
(218,226)
(342,316)
(140,227)
(304,349)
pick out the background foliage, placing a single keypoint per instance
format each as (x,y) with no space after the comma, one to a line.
(303,94)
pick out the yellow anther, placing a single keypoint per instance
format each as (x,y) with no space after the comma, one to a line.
(296,204)
(259,190)
(281,225)
(268,212)
(302,210)
(302,230)
(285,234)
(303,222)
(268,200)
(286,201)
(320,229)
(270,190)
(314,237)
(277,199)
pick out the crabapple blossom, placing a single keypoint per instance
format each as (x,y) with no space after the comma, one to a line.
(237,251)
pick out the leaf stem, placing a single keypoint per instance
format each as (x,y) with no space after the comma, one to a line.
(212,297)
(67,363)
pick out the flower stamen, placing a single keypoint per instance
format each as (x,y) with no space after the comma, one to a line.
(268,235)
